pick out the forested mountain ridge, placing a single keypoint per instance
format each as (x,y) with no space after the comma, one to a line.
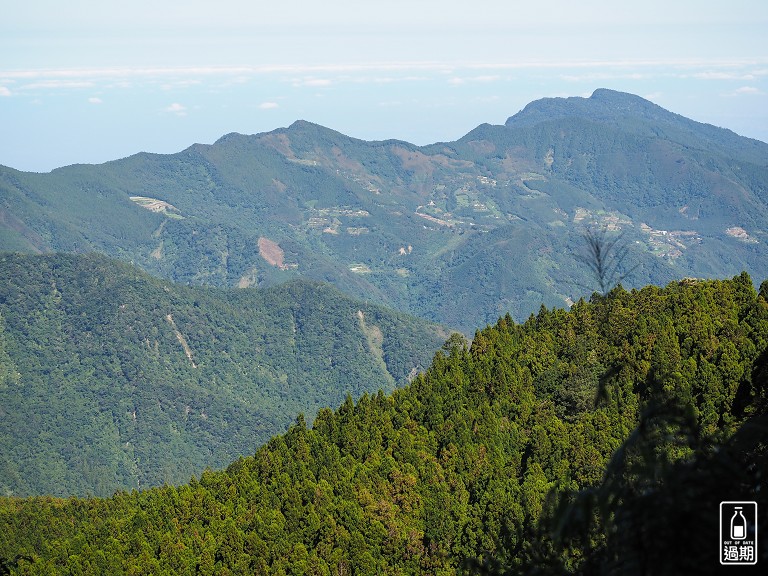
(461,461)
(113,379)
(460,232)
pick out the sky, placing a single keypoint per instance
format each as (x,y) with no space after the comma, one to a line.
(88,81)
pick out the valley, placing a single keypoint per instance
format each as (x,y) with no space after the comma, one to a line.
(112,379)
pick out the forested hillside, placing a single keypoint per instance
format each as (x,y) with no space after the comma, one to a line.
(457,232)
(110,378)
(643,402)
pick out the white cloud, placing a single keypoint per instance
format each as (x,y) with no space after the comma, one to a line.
(4,91)
(269,105)
(748,90)
(313,82)
(178,109)
(180,84)
(95,100)
(606,76)
(317,75)
(711,75)
(55,84)
(478,79)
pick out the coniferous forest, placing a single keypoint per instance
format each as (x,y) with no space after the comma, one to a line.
(596,440)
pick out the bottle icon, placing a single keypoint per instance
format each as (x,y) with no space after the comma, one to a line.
(738,525)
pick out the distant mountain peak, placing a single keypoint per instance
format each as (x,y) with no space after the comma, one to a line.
(303,125)
(232,136)
(615,101)
(636,114)
(299,127)
(615,96)
(603,104)
(310,128)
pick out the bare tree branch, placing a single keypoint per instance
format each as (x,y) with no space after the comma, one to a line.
(605,257)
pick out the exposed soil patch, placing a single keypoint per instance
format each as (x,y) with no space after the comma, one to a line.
(279,142)
(158,206)
(375,339)
(272,253)
(250,278)
(482,146)
(420,162)
(740,234)
(182,340)
(345,162)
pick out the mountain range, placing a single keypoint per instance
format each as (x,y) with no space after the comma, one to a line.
(458,233)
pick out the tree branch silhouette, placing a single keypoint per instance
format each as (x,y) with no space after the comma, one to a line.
(605,257)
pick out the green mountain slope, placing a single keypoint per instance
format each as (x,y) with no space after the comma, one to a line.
(110,378)
(458,232)
(461,461)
